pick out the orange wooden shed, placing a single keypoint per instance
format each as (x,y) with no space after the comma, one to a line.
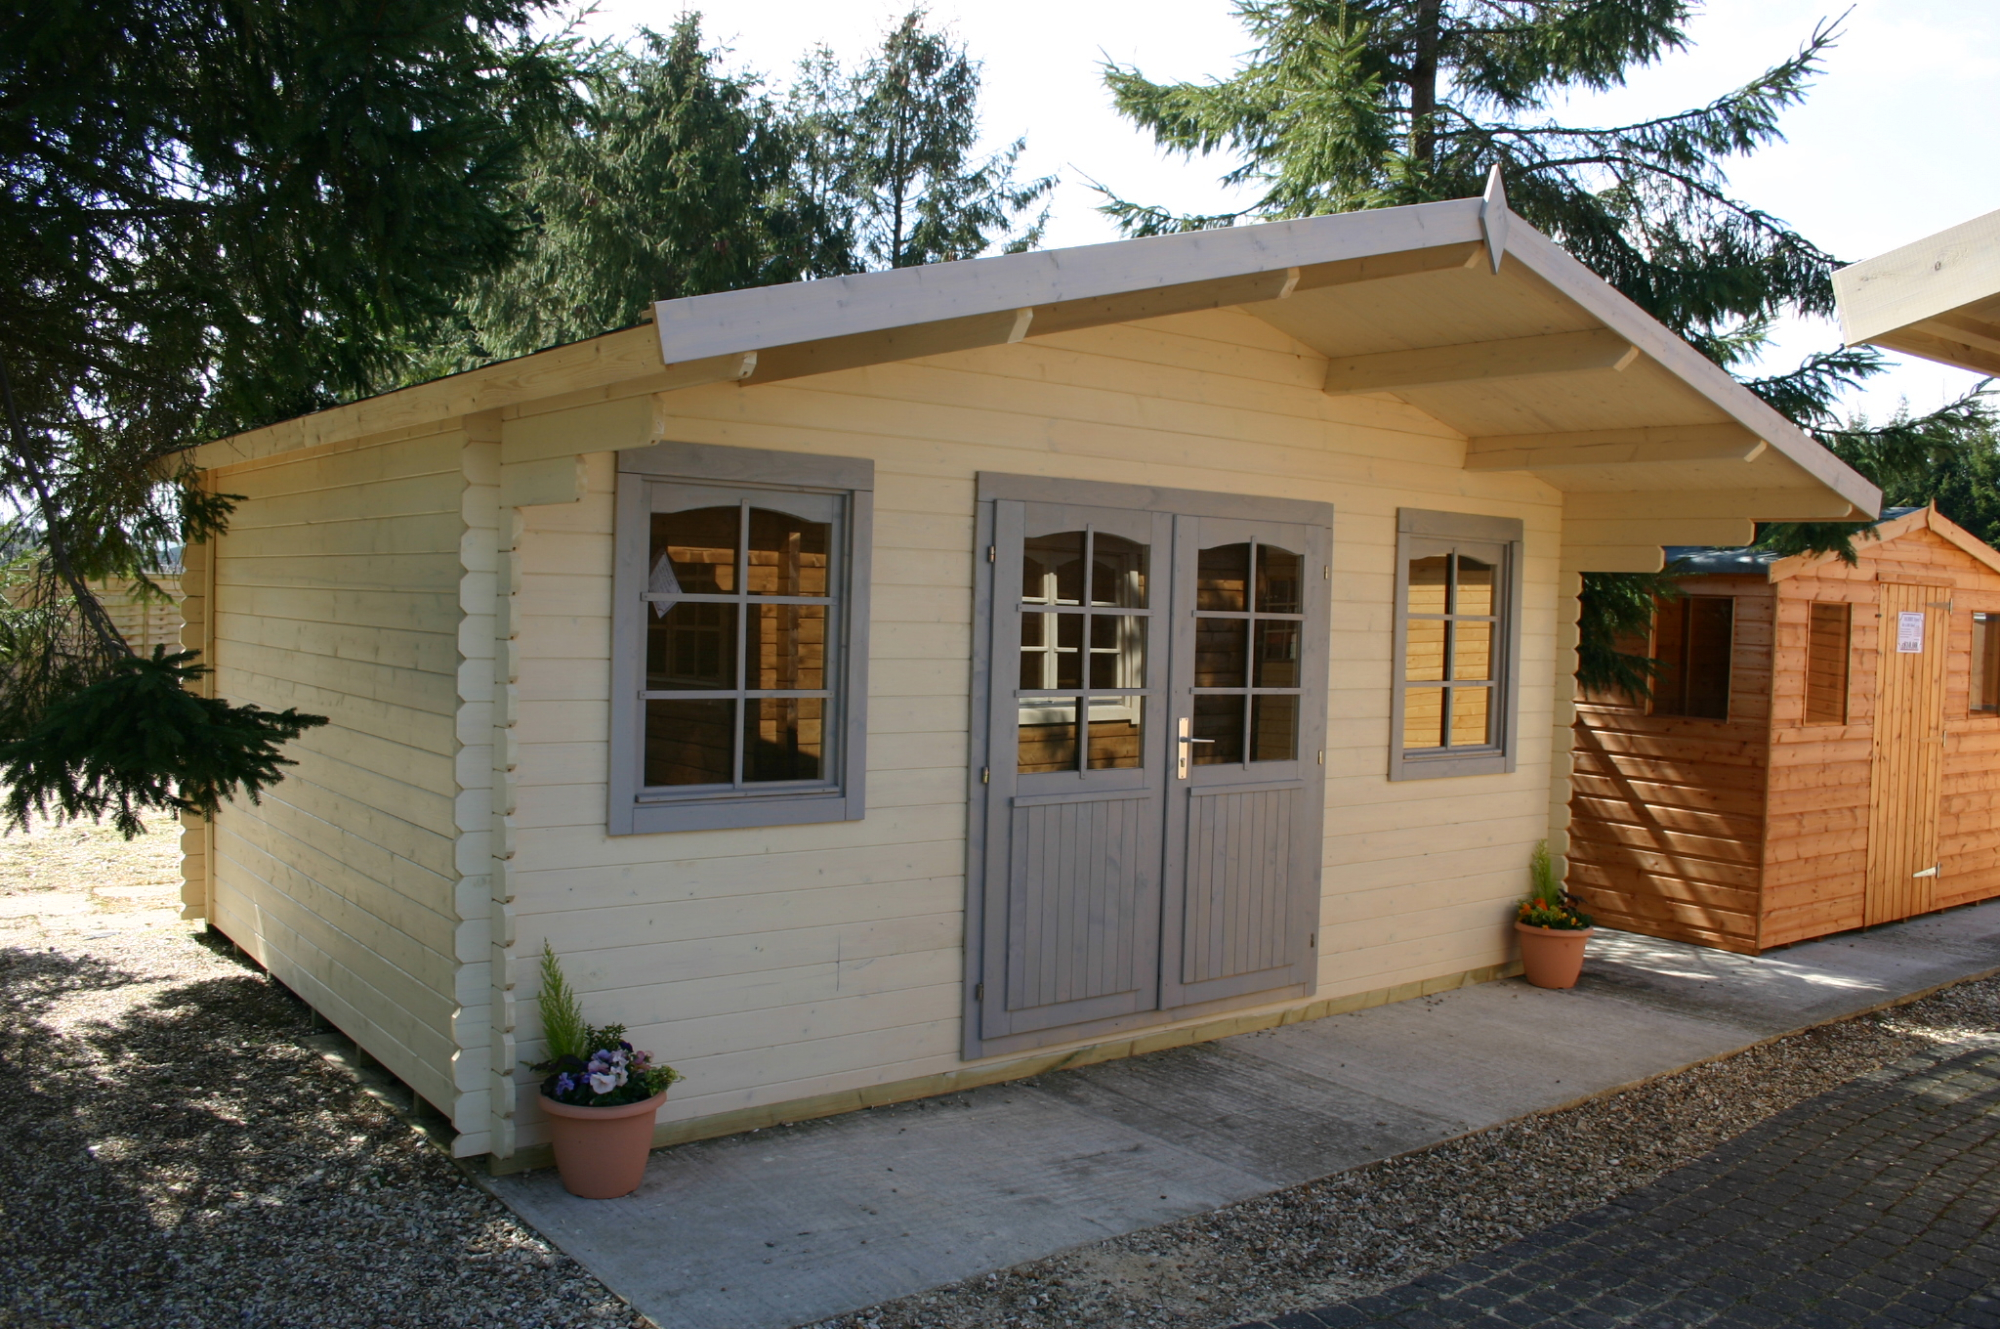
(1821,752)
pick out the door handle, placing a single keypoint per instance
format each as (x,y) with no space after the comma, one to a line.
(1930,871)
(1186,747)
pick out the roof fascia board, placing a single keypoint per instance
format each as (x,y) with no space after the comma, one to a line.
(1919,280)
(761,318)
(1964,539)
(1799,564)
(1599,298)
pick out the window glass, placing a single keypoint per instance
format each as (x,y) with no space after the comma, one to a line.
(1117,733)
(1218,720)
(1117,572)
(1451,630)
(1052,569)
(1247,641)
(1222,579)
(1277,580)
(1084,626)
(1985,662)
(1692,640)
(788,553)
(1827,648)
(689,742)
(695,552)
(1047,734)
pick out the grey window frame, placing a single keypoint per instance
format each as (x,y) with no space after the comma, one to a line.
(1416,526)
(749,471)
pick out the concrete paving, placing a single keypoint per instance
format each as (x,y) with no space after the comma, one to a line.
(786,1226)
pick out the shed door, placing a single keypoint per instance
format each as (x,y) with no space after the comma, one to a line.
(1152,806)
(1909,754)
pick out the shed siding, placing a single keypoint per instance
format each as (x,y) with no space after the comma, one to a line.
(336,590)
(781,963)
(1665,833)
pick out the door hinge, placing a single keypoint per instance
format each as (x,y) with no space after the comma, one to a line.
(986,775)
(1326,572)
(979,992)
(993,553)
(1322,756)
(1312,940)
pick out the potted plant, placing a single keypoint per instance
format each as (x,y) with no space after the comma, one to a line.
(1552,929)
(601,1095)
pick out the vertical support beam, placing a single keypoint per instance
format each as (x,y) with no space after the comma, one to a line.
(197,832)
(1569,585)
(506,762)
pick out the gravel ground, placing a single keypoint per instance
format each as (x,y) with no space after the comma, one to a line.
(179,1157)
(182,1157)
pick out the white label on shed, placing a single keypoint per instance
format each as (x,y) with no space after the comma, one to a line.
(1910,633)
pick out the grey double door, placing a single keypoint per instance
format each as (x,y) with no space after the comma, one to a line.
(1155,731)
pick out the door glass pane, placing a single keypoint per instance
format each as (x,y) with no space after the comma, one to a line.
(1037,643)
(1423,718)
(1047,734)
(690,742)
(1475,586)
(783,738)
(1222,578)
(1274,728)
(693,646)
(1472,650)
(1277,654)
(694,553)
(1117,572)
(1117,651)
(1427,583)
(1221,650)
(1117,733)
(1471,717)
(787,646)
(1052,569)
(788,554)
(1277,580)
(1425,662)
(1219,719)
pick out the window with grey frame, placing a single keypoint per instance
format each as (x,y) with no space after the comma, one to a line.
(736,625)
(1457,644)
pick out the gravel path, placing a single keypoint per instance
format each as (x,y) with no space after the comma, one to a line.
(177,1157)
(180,1157)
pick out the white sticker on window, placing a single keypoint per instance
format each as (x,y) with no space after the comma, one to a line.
(1910,633)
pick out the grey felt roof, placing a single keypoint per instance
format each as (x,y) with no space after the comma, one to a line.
(1704,559)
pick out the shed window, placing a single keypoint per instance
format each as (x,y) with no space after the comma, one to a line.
(737,698)
(1692,637)
(1826,663)
(1455,634)
(1986,663)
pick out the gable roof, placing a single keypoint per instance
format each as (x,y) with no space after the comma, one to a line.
(1938,297)
(1696,560)
(1457,308)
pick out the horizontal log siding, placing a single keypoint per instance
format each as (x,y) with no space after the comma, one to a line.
(336,590)
(1666,812)
(791,963)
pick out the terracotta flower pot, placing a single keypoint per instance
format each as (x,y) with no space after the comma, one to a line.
(601,1151)
(1553,957)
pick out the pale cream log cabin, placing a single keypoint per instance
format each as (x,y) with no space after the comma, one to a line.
(1938,298)
(676,649)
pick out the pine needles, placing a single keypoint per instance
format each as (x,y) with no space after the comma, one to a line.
(563,1029)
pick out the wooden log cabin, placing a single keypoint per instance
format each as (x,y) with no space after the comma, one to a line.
(880,686)
(1821,751)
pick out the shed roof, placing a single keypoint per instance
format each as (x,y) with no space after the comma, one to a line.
(1938,297)
(1458,308)
(1699,560)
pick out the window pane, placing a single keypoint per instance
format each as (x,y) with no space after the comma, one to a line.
(1052,568)
(1278,573)
(783,738)
(1047,734)
(1425,656)
(1475,587)
(1051,651)
(1117,651)
(1427,583)
(1709,637)
(788,554)
(1986,662)
(693,646)
(1274,728)
(1827,639)
(1423,718)
(787,647)
(690,742)
(1117,572)
(1277,654)
(1471,717)
(1472,650)
(1219,719)
(1222,578)
(694,553)
(1117,733)
(1221,651)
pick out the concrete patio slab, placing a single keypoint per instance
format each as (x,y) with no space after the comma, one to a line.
(782,1227)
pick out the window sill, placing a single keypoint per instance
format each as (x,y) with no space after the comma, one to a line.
(738,812)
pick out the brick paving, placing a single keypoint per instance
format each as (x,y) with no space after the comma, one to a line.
(1873,1204)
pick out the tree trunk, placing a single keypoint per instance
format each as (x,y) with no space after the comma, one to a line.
(1423,84)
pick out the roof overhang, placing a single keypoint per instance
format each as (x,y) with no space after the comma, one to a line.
(1938,298)
(1459,309)
(1926,518)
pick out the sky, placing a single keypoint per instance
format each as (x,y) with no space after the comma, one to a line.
(1899,138)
